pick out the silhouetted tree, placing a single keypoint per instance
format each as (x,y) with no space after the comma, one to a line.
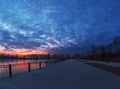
(94,52)
(102,52)
(116,44)
(109,52)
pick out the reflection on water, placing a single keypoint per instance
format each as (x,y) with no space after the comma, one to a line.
(6,62)
(19,66)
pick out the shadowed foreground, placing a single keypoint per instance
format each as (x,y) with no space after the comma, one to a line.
(64,75)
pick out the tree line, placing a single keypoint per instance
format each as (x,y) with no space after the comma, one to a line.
(109,52)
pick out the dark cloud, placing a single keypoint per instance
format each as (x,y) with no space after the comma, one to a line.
(58,25)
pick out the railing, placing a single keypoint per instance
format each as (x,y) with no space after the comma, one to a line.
(15,69)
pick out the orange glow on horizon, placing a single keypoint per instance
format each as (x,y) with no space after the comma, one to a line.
(23,51)
(29,53)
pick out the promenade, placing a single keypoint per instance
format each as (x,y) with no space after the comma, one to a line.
(68,74)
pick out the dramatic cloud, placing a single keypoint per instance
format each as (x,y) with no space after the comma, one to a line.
(58,26)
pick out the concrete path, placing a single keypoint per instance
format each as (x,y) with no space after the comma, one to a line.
(64,75)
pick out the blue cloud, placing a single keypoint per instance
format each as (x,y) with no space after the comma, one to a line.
(58,25)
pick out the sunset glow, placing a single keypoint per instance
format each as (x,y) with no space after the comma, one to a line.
(22,51)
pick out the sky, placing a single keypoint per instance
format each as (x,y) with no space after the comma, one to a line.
(57,26)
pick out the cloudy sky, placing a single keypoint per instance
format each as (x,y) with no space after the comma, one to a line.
(57,26)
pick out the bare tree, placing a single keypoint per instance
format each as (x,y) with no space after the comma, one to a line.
(103,52)
(94,52)
(116,44)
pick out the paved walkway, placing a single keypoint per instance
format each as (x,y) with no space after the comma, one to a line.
(65,75)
